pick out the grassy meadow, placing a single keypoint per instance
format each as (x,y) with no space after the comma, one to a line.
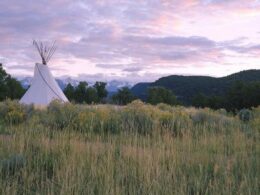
(133,149)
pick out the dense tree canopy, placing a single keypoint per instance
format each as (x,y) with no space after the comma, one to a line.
(86,94)
(186,87)
(158,95)
(214,102)
(80,94)
(240,95)
(243,95)
(69,92)
(9,87)
(123,96)
(101,90)
(92,95)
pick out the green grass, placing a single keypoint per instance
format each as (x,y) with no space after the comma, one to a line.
(136,149)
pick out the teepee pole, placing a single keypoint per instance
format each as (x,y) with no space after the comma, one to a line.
(45,52)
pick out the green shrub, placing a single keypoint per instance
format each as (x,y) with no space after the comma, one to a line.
(245,115)
(199,117)
(85,121)
(12,112)
(12,165)
(206,116)
(113,123)
(14,117)
(222,111)
(255,122)
(137,117)
(168,123)
(2,129)
(164,107)
(59,115)
(176,122)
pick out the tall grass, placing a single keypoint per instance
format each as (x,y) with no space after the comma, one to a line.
(136,149)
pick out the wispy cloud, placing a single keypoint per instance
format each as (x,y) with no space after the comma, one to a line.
(132,39)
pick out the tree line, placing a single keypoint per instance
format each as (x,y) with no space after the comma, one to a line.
(9,87)
(82,93)
(156,95)
(240,95)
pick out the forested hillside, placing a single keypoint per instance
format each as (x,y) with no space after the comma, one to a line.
(186,87)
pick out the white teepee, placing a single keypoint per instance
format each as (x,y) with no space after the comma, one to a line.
(44,88)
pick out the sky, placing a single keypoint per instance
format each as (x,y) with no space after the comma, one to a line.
(131,40)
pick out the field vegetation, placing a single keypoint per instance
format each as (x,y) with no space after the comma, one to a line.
(132,149)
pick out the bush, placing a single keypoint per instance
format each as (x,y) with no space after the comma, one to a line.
(222,111)
(245,115)
(207,121)
(12,165)
(84,121)
(14,117)
(199,117)
(59,115)
(134,117)
(158,95)
(12,112)
(164,107)
(137,117)
(203,116)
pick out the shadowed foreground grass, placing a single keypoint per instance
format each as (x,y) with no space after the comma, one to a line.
(137,149)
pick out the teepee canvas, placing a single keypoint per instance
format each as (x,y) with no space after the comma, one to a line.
(44,88)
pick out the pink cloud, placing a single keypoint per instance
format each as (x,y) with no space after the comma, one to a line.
(139,34)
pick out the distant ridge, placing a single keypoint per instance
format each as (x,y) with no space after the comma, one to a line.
(185,87)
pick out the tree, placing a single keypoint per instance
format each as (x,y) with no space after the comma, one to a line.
(123,96)
(216,102)
(69,91)
(9,87)
(252,94)
(80,94)
(161,95)
(98,92)
(240,95)
(14,89)
(243,95)
(3,87)
(101,90)
(91,95)
(235,96)
(200,100)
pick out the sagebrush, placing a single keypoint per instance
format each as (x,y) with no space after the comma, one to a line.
(133,149)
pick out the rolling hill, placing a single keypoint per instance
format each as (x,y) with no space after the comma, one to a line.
(186,87)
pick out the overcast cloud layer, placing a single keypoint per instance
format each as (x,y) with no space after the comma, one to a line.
(132,40)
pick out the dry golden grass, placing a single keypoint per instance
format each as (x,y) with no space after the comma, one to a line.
(201,152)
